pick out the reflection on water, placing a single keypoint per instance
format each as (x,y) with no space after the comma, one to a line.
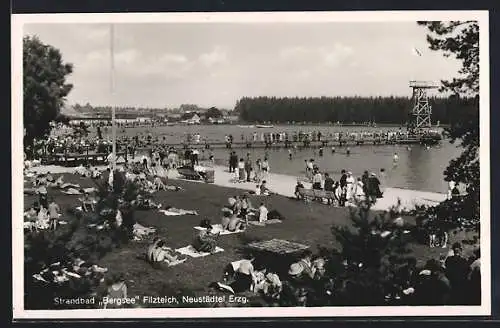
(417,168)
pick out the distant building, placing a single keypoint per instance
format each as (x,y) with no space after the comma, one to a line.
(195,119)
(232,118)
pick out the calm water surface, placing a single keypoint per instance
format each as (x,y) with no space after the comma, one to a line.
(418,168)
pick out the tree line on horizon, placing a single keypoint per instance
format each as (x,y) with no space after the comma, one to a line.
(383,110)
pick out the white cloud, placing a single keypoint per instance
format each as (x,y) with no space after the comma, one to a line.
(127,57)
(217,56)
(336,56)
(313,56)
(172,58)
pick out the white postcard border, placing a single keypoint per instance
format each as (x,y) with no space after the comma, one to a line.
(264,17)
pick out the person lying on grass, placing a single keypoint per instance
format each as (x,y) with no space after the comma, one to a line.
(206,241)
(158,252)
(180,211)
(160,185)
(145,203)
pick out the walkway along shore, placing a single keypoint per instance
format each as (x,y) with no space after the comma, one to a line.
(284,185)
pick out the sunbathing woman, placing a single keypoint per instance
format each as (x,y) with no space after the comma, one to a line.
(206,241)
(180,211)
(158,253)
(232,222)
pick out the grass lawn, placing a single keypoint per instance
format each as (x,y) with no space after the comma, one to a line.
(304,223)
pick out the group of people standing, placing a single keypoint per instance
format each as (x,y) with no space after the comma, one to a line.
(247,170)
(347,188)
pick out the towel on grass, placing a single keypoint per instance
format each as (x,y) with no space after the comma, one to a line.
(190,251)
(71,191)
(171,264)
(224,287)
(67,185)
(262,224)
(217,228)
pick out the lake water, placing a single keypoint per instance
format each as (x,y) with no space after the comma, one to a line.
(418,168)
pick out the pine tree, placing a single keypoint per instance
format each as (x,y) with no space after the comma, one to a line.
(461,39)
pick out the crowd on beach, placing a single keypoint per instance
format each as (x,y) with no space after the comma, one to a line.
(308,281)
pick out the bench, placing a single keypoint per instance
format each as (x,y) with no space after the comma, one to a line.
(306,194)
(323,194)
(311,194)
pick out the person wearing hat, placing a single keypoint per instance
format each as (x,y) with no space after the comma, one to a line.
(303,269)
(457,271)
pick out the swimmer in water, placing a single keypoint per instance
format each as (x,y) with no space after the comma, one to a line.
(395,159)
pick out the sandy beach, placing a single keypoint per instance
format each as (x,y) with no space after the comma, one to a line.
(284,185)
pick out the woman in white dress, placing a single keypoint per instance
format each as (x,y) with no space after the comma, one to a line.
(359,190)
(350,185)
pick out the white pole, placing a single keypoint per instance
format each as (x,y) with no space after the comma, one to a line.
(112,87)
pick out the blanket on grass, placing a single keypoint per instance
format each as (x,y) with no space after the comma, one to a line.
(190,251)
(217,228)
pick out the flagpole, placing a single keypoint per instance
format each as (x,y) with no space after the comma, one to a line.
(112,87)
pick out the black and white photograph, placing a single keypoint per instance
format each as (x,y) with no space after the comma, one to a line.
(251,164)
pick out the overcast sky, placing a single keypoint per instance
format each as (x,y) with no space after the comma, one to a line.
(215,64)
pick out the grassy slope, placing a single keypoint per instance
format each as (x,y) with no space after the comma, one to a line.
(305,223)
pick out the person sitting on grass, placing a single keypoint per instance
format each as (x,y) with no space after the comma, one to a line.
(117,289)
(96,173)
(263,189)
(236,223)
(158,184)
(226,218)
(158,253)
(31,213)
(263,211)
(206,241)
(88,203)
(54,210)
(303,270)
(246,209)
(49,178)
(244,276)
(42,221)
